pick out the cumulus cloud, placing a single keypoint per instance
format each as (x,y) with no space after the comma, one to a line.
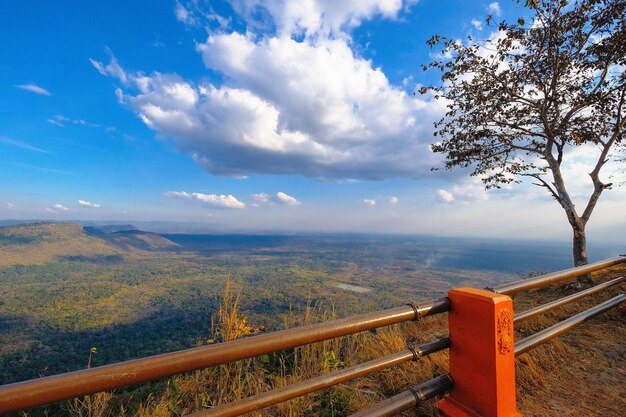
(368,202)
(211,200)
(286,199)
(33,88)
(445,196)
(494,8)
(89,204)
(57,208)
(297,109)
(290,105)
(393,200)
(314,17)
(279,198)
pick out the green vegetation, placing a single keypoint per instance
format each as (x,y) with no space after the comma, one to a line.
(128,301)
(63,290)
(185,394)
(133,294)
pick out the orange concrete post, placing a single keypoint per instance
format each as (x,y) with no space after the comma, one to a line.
(482,357)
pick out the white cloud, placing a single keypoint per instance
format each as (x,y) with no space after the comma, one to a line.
(20,144)
(495,9)
(212,200)
(578,162)
(59,119)
(368,202)
(502,216)
(286,199)
(318,89)
(33,88)
(89,204)
(9,206)
(197,13)
(478,25)
(57,208)
(262,197)
(393,200)
(55,122)
(289,104)
(471,190)
(314,17)
(293,108)
(279,198)
(445,196)
(182,14)
(113,69)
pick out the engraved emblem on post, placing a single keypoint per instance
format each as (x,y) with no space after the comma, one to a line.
(505,332)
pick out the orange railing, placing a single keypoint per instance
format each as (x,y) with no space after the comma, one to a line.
(481,381)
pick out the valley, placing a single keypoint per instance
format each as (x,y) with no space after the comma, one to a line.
(129,293)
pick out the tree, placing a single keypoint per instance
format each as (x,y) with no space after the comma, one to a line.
(518,102)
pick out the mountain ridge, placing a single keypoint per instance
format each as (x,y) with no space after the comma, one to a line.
(42,242)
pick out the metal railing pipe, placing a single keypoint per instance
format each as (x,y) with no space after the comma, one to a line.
(390,407)
(543,280)
(408,399)
(538,338)
(36,392)
(298,389)
(565,300)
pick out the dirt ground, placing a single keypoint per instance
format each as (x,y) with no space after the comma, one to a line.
(580,373)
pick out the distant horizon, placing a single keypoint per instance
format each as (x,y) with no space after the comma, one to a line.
(190,228)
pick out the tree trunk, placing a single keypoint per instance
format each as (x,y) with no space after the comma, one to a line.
(580,254)
(580,247)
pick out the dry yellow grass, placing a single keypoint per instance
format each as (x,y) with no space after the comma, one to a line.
(582,373)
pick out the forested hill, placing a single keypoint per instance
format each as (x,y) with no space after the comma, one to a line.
(133,239)
(65,289)
(40,243)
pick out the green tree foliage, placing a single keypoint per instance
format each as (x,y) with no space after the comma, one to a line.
(517,102)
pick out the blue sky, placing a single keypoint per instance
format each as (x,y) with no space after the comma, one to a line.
(246,115)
